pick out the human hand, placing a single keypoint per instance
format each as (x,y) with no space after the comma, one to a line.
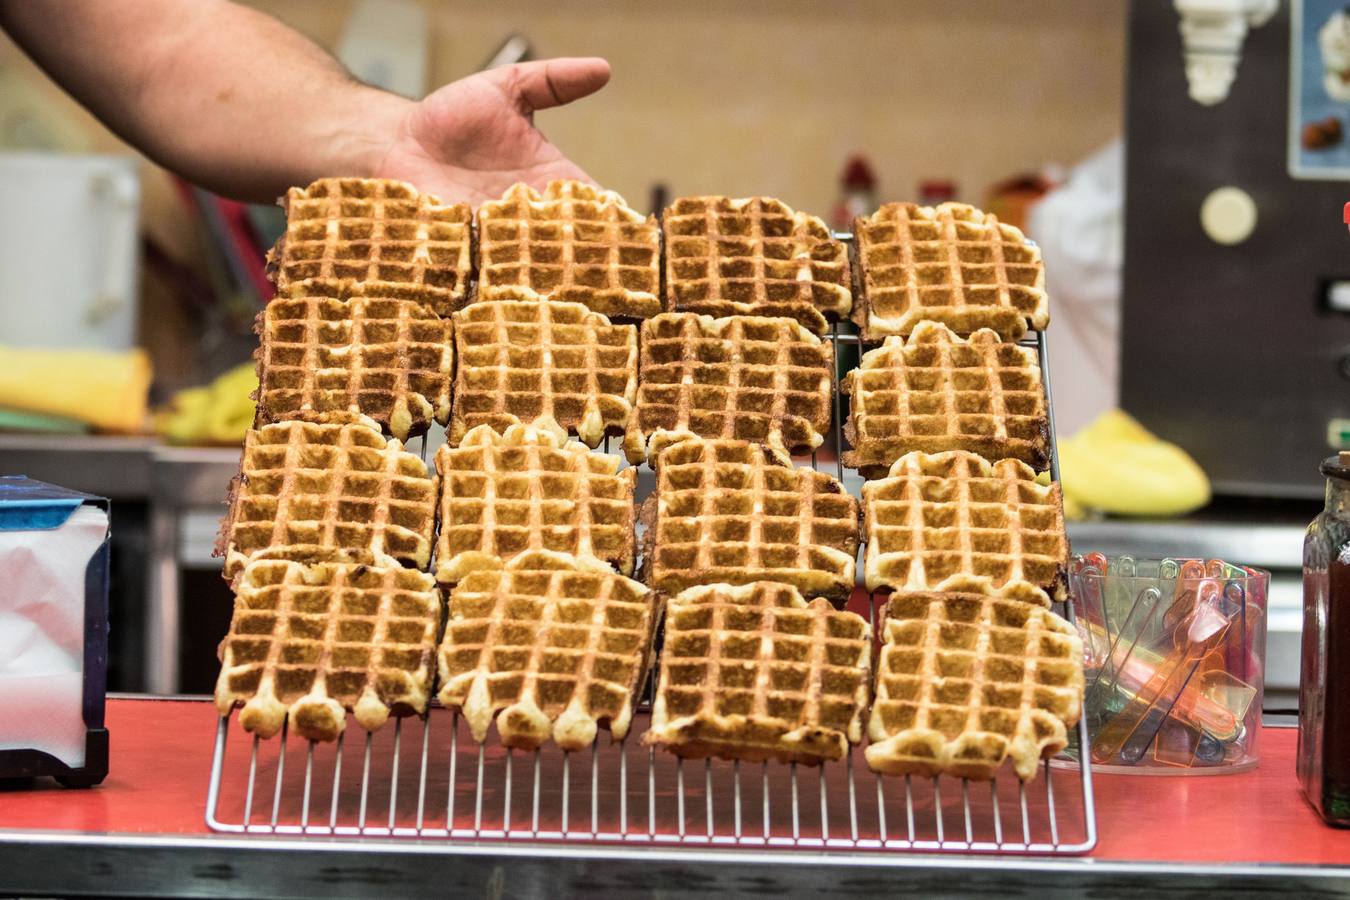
(472,139)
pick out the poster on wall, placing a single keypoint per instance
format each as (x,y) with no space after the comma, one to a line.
(1319,90)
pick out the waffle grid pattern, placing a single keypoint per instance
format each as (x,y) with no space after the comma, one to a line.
(742,377)
(966,681)
(307,490)
(754,256)
(312,641)
(936,392)
(952,264)
(530,360)
(367,229)
(530,489)
(731,512)
(755,672)
(333,349)
(954,522)
(557,647)
(572,243)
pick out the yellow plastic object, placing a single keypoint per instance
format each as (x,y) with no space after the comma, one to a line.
(106,389)
(1118,466)
(217,413)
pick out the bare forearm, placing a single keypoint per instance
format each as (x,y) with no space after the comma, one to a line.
(220,93)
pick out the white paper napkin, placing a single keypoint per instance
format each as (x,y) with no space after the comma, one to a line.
(42,635)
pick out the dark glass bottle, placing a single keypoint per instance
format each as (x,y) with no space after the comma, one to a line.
(1324,683)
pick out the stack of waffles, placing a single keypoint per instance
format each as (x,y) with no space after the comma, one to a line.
(331,523)
(332,526)
(760,660)
(949,415)
(509,581)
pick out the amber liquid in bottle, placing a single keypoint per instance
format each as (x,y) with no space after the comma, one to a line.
(1324,695)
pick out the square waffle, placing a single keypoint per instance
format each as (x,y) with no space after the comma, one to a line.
(330,350)
(529,488)
(306,489)
(952,264)
(762,380)
(526,360)
(966,681)
(311,641)
(936,391)
(755,672)
(371,229)
(573,242)
(755,256)
(956,522)
(734,512)
(557,645)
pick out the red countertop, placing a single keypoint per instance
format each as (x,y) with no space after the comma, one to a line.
(161,754)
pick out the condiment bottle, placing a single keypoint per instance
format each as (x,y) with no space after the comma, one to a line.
(1324,683)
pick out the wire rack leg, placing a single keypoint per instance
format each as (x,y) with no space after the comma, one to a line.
(365,786)
(566,789)
(909,809)
(937,809)
(534,808)
(309,776)
(337,780)
(736,780)
(453,784)
(281,775)
(998,819)
(679,792)
(422,774)
(708,794)
(765,786)
(393,773)
(252,781)
(506,797)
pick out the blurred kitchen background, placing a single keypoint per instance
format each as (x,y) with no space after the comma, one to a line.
(1202,236)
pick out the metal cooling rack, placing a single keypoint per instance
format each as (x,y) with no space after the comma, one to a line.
(436,782)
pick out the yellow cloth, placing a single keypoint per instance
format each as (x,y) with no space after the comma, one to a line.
(218,413)
(106,389)
(1116,465)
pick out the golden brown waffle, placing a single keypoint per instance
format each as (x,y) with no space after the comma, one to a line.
(755,672)
(307,490)
(755,256)
(955,522)
(530,360)
(966,681)
(529,488)
(330,350)
(734,512)
(311,641)
(937,392)
(371,229)
(952,264)
(767,381)
(558,645)
(573,242)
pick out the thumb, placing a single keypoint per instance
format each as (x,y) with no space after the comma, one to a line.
(553,82)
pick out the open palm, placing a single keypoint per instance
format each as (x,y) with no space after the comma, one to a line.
(474,138)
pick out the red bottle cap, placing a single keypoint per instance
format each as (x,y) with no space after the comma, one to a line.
(858,175)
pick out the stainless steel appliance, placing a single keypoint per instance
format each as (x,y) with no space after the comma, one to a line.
(1238,352)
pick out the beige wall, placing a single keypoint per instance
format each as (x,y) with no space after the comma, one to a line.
(771,96)
(749,97)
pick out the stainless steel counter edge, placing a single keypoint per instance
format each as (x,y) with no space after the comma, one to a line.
(34,862)
(1251,543)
